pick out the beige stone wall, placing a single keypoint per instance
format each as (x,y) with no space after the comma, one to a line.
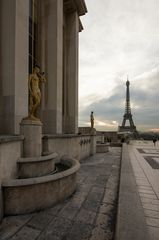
(78,147)
(9,154)
(10,151)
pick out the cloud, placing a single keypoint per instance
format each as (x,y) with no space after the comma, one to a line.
(144,107)
(120,37)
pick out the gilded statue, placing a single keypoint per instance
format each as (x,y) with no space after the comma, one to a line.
(34,81)
(92,120)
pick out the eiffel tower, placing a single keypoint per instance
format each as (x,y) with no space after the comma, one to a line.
(127,115)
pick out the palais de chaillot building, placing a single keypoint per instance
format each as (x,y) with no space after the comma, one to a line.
(41,34)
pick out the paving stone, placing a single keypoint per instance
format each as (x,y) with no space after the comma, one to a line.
(133,233)
(11,225)
(145,187)
(154,232)
(40,220)
(141,178)
(81,179)
(109,196)
(68,212)
(154,222)
(150,196)
(151,201)
(101,180)
(96,193)
(91,205)
(56,209)
(86,216)
(146,191)
(76,202)
(94,197)
(112,182)
(26,233)
(107,208)
(57,229)
(101,234)
(102,221)
(142,184)
(80,231)
(151,213)
(150,206)
(83,190)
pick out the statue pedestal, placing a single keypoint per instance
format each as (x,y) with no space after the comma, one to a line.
(93,141)
(32,131)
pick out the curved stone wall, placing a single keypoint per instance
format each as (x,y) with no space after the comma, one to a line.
(23,196)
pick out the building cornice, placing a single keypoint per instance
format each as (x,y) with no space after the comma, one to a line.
(75,5)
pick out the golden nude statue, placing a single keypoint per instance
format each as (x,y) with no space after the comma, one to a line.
(34,81)
(92,120)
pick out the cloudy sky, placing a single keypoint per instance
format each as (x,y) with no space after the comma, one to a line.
(120,38)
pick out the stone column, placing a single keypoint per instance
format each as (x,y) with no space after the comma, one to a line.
(70,118)
(13,64)
(52,64)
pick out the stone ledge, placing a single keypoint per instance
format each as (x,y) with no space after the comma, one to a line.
(37,159)
(50,136)
(131,223)
(10,138)
(32,181)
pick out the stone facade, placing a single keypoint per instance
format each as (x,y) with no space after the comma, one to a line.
(44,33)
(56,52)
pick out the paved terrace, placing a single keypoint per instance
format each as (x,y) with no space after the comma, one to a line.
(138,204)
(144,157)
(89,214)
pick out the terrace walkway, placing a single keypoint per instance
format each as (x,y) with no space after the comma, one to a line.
(144,157)
(89,214)
(138,203)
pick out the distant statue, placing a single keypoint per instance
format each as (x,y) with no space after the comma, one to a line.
(92,120)
(34,81)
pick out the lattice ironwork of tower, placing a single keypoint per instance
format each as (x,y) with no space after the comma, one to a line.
(127,115)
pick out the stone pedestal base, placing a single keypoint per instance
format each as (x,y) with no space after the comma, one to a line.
(32,131)
(92,131)
(93,141)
